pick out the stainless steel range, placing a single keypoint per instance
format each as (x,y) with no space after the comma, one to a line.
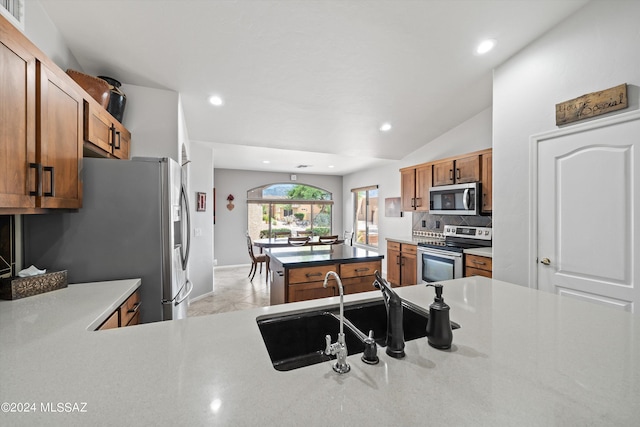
(443,258)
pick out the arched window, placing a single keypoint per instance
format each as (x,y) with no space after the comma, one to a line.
(288,209)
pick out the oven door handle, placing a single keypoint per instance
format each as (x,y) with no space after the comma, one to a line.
(465,199)
(439,252)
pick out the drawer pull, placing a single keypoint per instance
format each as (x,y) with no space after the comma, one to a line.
(313,274)
(135,308)
(478,262)
(360,270)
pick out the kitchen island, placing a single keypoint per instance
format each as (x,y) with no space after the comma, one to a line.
(297,273)
(521,357)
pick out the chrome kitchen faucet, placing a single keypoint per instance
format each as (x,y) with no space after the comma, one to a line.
(338,348)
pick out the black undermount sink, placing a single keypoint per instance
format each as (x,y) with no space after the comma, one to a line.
(297,340)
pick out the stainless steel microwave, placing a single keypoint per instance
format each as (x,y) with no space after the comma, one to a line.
(457,199)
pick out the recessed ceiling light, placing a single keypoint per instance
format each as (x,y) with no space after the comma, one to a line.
(386,127)
(331,166)
(216,100)
(485,46)
(266,161)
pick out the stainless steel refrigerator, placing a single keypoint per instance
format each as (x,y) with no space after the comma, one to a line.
(134,222)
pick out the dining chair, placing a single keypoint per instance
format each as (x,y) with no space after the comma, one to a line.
(298,241)
(328,239)
(255,260)
(347,236)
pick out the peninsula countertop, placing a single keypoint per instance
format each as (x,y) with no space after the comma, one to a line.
(303,256)
(521,357)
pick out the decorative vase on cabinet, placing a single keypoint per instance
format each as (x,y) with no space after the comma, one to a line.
(117,100)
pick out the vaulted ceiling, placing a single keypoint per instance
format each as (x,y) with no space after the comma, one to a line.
(308,82)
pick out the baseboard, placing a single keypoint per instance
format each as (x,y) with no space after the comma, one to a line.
(199,297)
(226,267)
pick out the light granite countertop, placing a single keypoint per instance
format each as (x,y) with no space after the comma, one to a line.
(521,357)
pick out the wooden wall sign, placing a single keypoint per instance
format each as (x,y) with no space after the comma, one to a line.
(591,105)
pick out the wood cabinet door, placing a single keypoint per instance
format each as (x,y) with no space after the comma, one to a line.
(408,264)
(354,285)
(408,189)
(59,135)
(467,169)
(443,173)
(311,290)
(393,266)
(423,184)
(487,182)
(17,118)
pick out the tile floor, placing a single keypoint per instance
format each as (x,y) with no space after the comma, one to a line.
(232,291)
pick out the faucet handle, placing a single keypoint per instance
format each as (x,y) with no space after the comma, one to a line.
(327,349)
(370,354)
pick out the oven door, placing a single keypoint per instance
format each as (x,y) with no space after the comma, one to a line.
(435,265)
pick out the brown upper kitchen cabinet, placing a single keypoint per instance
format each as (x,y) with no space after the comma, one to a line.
(457,171)
(487,183)
(41,135)
(415,183)
(104,136)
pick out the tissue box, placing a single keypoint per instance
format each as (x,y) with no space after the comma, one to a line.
(20,287)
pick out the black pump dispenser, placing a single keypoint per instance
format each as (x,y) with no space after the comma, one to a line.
(439,333)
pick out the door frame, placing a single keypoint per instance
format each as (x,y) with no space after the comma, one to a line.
(534,141)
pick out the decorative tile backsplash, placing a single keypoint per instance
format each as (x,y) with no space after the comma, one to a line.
(437,222)
(7,248)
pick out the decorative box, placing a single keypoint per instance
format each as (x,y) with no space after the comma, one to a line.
(20,287)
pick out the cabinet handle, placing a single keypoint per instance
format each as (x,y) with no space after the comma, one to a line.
(418,202)
(478,262)
(117,147)
(402,258)
(360,270)
(112,128)
(413,202)
(313,274)
(51,193)
(457,173)
(38,168)
(450,174)
(135,308)
(398,259)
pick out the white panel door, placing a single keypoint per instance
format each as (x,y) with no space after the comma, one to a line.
(587,197)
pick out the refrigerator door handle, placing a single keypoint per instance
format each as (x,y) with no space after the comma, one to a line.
(185,201)
(189,285)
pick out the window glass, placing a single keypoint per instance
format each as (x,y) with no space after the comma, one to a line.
(288,209)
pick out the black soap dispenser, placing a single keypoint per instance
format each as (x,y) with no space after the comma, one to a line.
(439,333)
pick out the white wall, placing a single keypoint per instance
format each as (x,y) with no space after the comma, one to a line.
(39,28)
(595,49)
(151,115)
(472,135)
(229,243)
(201,254)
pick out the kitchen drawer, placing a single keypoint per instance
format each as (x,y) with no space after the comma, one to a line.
(309,274)
(394,246)
(129,309)
(111,322)
(472,271)
(481,262)
(358,269)
(409,249)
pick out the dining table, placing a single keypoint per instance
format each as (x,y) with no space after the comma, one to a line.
(283,242)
